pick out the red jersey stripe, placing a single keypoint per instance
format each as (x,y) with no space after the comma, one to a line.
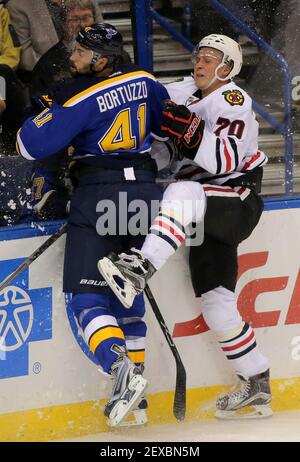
(227,156)
(253,159)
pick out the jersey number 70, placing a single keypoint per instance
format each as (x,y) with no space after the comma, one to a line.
(127,126)
(235,128)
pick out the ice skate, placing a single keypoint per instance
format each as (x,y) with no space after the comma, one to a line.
(126,274)
(128,389)
(250,401)
(137,416)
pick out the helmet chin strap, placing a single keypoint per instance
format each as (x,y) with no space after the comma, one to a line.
(215,77)
(223,79)
(95,58)
(210,83)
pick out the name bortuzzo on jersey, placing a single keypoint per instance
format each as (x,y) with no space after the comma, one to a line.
(118,114)
(121,95)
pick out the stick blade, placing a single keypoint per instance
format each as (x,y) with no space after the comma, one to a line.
(179,407)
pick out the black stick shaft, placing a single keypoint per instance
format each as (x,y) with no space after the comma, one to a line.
(179,407)
(33,256)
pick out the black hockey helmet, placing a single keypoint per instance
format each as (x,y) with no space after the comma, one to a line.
(102,38)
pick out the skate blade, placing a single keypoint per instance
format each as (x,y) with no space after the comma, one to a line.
(248,412)
(122,408)
(125,294)
(135,419)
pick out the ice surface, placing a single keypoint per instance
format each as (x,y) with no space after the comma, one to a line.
(283,426)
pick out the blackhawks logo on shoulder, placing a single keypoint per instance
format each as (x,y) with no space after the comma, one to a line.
(234,97)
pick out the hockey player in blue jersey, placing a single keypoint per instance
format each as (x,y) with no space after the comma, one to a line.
(108,113)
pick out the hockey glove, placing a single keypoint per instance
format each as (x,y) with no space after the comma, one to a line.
(185,128)
(49,194)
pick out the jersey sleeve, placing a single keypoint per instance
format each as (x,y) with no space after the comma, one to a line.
(218,154)
(50,131)
(157,96)
(182,91)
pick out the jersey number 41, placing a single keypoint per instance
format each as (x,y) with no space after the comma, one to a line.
(127,130)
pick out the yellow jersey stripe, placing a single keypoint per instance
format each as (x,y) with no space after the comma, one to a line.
(104,334)
(17,149)
(109,82)
(41,122)
(137,356)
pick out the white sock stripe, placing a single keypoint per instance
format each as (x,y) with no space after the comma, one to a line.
(87,310)
(170,224)
(173,220)
(137,344)
(167,233)
(237,340)
(164,240)
(241,349)
(98,323)
(124,321)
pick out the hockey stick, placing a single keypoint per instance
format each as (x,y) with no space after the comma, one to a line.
(33,256)
(179,406)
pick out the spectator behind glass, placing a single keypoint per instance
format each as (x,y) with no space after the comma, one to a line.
(54,65)
(38,26)
(11,89)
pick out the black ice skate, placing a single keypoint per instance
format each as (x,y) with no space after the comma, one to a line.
(126,274)
(250,401)
(127,392)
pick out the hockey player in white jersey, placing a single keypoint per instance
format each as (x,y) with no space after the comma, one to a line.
(215,133)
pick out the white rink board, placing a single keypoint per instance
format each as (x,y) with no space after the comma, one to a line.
(60,373)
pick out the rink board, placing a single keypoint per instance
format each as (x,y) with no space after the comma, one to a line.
(49,386)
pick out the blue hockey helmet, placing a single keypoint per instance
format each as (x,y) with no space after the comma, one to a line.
(102,38)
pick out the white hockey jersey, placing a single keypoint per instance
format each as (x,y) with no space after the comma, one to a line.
(229,147)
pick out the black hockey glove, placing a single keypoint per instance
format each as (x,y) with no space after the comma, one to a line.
(185,128)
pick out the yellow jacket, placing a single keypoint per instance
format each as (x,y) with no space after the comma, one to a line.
(9,46)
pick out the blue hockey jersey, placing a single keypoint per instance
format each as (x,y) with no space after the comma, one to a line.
(99,117)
